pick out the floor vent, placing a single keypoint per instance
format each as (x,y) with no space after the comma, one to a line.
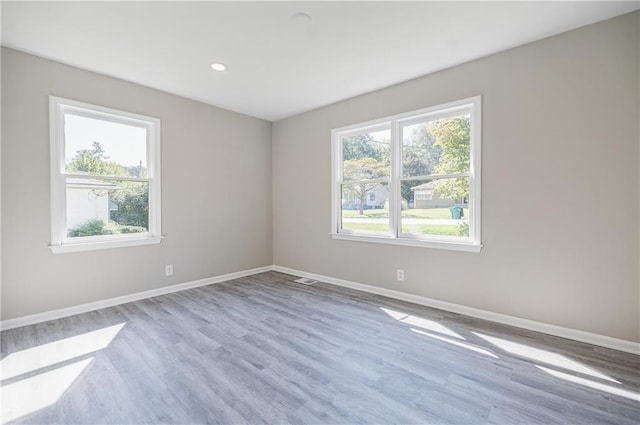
(305,281)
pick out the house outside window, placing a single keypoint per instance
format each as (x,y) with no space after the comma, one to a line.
(427,161)
(105,177)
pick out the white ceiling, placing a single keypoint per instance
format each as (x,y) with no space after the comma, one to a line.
(279,66)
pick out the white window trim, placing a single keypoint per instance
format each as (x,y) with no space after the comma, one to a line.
(396,237)
(60,243)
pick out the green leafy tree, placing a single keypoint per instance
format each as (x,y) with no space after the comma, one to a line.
(363,146)
(94,161)
(363,169)
(132,199)
(364,158)
(133,204)
(453,136)
(419,157)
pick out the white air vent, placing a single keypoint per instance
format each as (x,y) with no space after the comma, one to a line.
(305,281)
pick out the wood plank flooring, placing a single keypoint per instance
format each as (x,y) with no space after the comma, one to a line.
(265,350)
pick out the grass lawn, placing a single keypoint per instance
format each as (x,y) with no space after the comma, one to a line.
(436,229)
(439,213)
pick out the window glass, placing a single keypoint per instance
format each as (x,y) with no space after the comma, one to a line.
(365,207)
(413,178)
(105,174)
(366,156)
(106,207)
(438,208)
(439,146)
(94,146)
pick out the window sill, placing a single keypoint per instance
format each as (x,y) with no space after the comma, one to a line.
(446,245)
(92,246)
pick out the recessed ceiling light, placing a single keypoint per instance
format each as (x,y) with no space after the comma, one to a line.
(217,66)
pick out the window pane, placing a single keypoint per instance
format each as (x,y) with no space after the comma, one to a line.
(365,207)
(366,156)
(436,147)
(437,207)
(94,146)
(106,207)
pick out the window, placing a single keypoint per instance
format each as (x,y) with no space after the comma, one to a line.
(424,169)
(105,177)
(426,196)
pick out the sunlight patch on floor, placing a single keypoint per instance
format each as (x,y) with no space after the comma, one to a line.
(44,355)
(420,322)
(457,343)
(36,392)
(28,394)
(544,356)
(592,384)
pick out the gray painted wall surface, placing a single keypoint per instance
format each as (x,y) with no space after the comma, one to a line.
(211,160)
(561,190)
(560,185)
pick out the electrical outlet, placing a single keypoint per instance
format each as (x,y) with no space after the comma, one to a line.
(168,270)
(400,275)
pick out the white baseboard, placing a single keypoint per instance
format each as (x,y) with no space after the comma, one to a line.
(84,308)
(577,335)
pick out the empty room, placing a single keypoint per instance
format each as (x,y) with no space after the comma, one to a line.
(320,212)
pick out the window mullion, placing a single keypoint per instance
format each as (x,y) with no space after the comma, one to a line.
(336,165)
(395,204)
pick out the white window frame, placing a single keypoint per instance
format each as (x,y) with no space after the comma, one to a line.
(394,123)
(60,243)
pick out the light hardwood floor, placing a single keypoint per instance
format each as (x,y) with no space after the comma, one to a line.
(265,350)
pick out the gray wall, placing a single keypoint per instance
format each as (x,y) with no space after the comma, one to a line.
(560,185)
(561,190)
(216,192)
